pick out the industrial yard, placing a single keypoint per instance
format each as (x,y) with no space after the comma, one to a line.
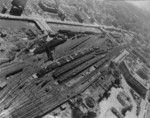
(57,61)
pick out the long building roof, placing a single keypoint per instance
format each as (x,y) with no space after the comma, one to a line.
(132,80)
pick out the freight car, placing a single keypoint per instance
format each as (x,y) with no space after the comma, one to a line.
(49,68)
(3,83)
(74,56)
(102,62)
(68,33)
(62,62)
(12,70)
(99,52)
(79,69)
(72,65)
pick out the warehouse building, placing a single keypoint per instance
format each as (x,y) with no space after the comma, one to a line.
(17,7)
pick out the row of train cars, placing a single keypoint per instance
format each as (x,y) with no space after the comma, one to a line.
(56,63)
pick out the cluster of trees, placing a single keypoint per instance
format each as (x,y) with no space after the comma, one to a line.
(119,14)
(124,15)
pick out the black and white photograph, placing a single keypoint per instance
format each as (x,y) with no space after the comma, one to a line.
(74,59)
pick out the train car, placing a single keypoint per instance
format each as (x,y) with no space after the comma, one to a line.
(49,68)
(100,52)
(102,62)
(63,61)
(12,70)
(72,65)
(3,83)
(78,70)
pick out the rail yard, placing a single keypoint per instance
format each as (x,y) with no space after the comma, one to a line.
(49,66)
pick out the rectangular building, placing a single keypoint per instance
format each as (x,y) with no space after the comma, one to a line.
(132,81)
